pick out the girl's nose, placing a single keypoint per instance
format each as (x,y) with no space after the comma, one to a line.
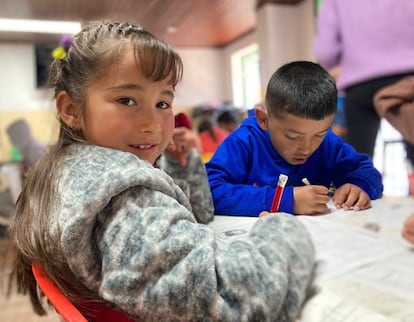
(150,121)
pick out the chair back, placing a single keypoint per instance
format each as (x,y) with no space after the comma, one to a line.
(67,311)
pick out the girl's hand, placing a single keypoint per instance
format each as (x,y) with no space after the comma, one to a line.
(310,200)
(264,214)
(351,197)
(408,229)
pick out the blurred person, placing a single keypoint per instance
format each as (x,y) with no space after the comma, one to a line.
(395,103)
(339,123)
(408,229)
(211,137)
(21,137)
(370,56)
(185,137)
(227,121)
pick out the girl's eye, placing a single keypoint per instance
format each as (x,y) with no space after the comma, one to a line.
(163,105)
(126,101)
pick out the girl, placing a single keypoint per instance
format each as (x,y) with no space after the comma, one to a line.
(114,231)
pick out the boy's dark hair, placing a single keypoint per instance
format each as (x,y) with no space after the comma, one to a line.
(226,117)
(301,88)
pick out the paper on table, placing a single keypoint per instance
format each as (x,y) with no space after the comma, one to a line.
(393,275)
(331,307)
(341,248)
(388,214)
(229,228)
(340,300)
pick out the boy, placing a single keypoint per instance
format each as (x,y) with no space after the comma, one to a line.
(291,136)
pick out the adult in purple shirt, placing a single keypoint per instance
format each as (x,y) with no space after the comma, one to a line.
(372,42)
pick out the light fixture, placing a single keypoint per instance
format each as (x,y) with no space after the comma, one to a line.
(40,26)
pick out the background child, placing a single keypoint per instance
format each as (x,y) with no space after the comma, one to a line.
(111,229)
(210,137)
(227,121)
(292,137)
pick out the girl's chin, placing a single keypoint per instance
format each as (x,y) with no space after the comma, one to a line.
(151,158)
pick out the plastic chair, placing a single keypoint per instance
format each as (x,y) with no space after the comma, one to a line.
(67,311)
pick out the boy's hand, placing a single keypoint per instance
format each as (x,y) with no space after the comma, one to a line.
(310,200)
(408,229)
(350,196)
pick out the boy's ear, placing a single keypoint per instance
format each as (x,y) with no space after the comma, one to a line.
(68,110)
(262,118)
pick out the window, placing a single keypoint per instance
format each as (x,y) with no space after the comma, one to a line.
(246,77)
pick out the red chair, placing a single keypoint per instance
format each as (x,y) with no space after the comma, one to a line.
(67,311)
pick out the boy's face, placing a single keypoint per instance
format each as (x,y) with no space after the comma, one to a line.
(127,112)
(294,138)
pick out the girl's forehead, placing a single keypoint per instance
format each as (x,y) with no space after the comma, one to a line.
(124,66)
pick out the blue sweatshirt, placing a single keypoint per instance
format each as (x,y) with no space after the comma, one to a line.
(244,171)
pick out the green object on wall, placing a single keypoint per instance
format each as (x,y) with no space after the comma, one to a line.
(15,154)
(318,4)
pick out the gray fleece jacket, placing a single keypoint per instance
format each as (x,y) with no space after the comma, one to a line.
(128,233)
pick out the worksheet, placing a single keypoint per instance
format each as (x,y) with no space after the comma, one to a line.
(341,300)
(229,228)
(365,270)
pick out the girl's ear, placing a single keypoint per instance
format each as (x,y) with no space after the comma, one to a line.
(68,110)
(262,118)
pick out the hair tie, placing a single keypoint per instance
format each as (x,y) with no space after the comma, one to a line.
(60,52)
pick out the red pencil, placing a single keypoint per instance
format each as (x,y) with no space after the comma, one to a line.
(278,193)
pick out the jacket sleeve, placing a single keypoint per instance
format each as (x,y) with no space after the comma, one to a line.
(193,180)
(327,43)
(160,265)
(355,168)
(128,234)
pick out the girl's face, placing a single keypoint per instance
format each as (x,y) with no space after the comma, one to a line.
(294,138)
(127,112)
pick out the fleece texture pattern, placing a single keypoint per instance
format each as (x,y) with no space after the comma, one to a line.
(128,233)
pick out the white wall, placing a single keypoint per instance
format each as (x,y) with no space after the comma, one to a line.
(18,80)
(241,43)
(203,80)
(285,34)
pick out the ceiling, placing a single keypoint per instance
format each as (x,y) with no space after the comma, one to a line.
(182,23)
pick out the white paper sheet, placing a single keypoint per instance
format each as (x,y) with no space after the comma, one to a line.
(364,275)
(341,248)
